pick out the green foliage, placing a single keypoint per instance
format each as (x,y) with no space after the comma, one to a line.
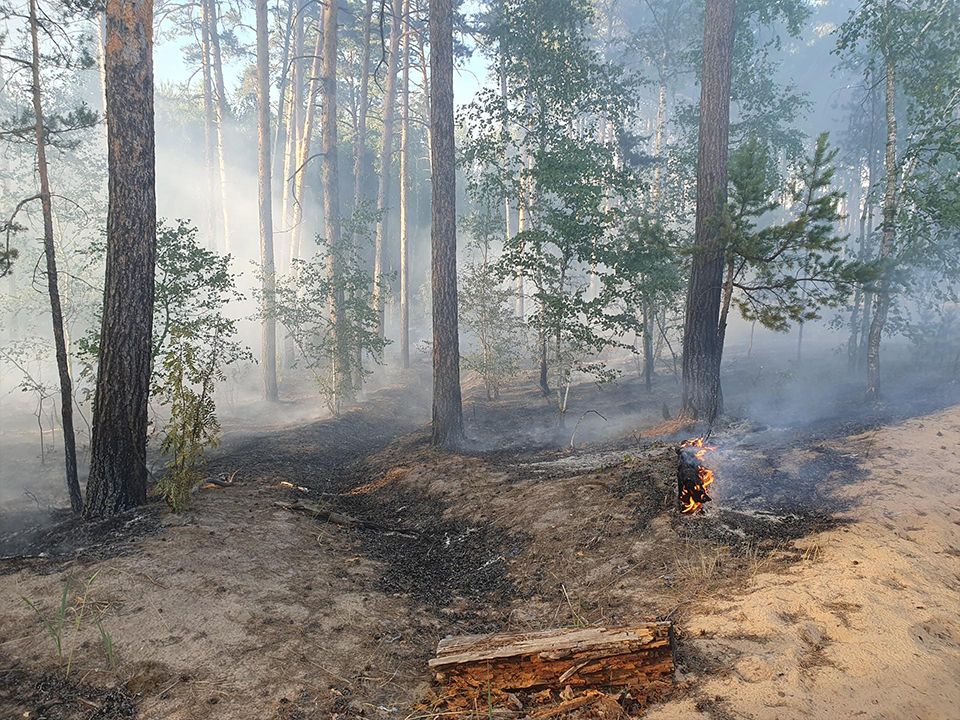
(330,347)
(916,42)
(190,373)
(486,310)
(193,341)
(547,146)
(55,627)
(785,270)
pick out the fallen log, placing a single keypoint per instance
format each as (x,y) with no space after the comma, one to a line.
(637,658)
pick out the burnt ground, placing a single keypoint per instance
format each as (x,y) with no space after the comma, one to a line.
(518,531)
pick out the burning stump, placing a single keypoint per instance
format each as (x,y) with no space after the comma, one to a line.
(693,477)
(637,658)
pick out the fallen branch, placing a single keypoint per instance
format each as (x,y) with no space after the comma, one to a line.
(577,426)
(322,514)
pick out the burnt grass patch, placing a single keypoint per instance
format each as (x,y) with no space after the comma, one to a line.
(44,540)
(448,562)
(52,696)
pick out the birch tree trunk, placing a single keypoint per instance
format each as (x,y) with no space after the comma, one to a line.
(118,471)
(53,289)
(405,191)
(889,235)
(447,407)
(701,398)
(268,328)
(386,151)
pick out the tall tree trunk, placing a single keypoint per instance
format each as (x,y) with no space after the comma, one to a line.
(118,470)
(647,313)
(447,407)
(426,87)
(859,328)
(49,249)
(360,148)
(268,329)
(221,116)
(284,82)
(330,180)
(405,191)
(303,153)
(294,122)
(209,125)
(889,235)
(386,152)
(701,353)
(658,141)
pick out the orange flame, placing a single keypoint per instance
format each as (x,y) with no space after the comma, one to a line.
(705,475)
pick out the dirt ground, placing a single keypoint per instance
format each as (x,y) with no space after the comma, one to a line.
(823,582)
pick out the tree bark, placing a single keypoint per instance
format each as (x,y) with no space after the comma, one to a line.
(405,190)
(889,235)
(360,149)
(220,116)
(118,471)
(284,82)
(49,249)
(639,657)
(647,345)
(303,152)
(386,151)
(268,328)
(294,122)
(209,124)
(330,180)
(447,407)
(858,328)
(701,353)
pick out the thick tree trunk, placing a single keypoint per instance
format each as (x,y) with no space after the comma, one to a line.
(118,471)
(268,329)
(49,249)
(405,191)
(386,156)
(447,408)
(209,125)
(701,353)
(330,179)
(221,115)
(889,236)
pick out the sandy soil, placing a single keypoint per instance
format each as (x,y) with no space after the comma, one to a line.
(242,609)
(869,626)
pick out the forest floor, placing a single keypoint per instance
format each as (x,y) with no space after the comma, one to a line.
(823,582)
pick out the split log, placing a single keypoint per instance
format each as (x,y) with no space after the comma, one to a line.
(634,658)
